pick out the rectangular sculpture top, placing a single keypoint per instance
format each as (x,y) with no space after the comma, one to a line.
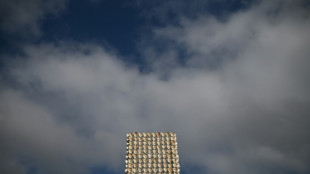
(149,153)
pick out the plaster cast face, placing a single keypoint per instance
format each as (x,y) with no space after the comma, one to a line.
(155,156)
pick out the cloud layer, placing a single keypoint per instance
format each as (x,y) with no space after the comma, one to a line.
(23,17)
(239,103)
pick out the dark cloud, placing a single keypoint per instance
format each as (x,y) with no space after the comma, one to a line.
(167,12)
(23,17)
(72,104)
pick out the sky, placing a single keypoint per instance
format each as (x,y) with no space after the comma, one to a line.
(230,78)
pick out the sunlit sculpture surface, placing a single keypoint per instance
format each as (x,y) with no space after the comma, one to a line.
(149,153)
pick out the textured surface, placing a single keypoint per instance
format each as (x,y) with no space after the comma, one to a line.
(152,153)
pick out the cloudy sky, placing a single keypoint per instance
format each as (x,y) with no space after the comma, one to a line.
(230,78)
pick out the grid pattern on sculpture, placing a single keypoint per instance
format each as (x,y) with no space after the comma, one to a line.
(152,153)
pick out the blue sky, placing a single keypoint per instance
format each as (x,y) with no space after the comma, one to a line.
(229,77)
